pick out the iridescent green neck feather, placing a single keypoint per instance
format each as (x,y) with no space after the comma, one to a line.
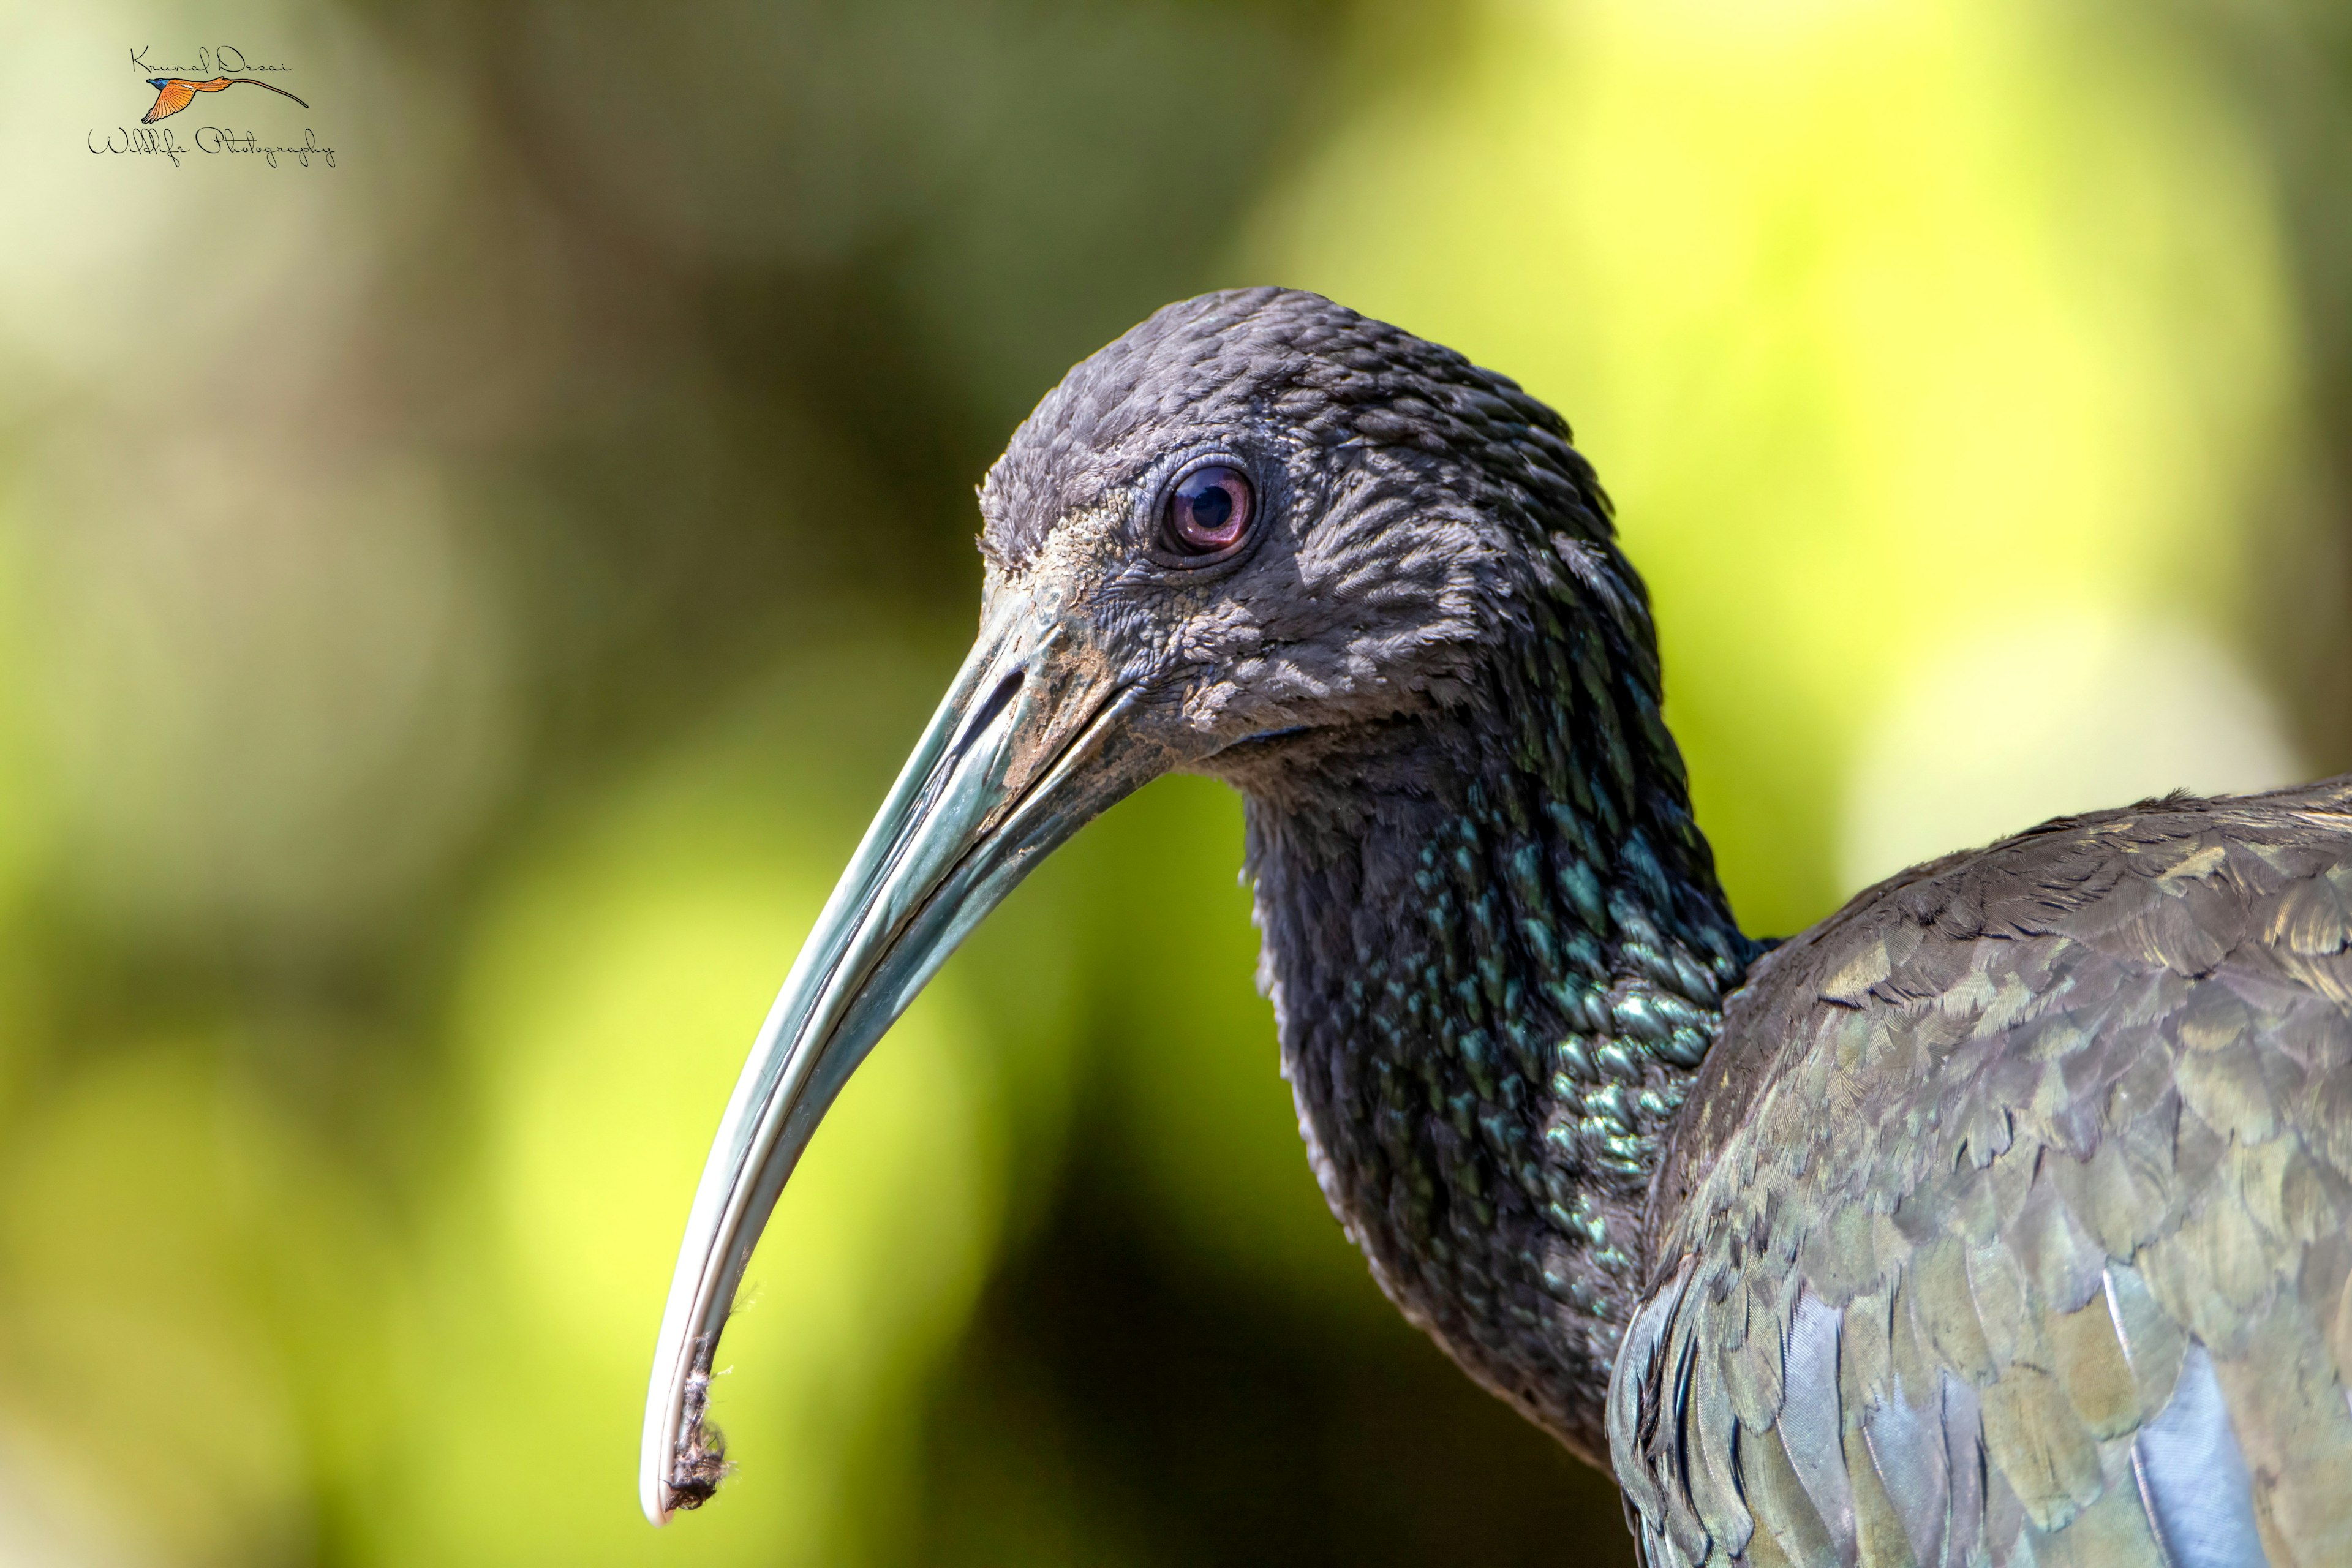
(1498,952)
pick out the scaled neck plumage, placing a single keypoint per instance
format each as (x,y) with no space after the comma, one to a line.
(1498,952)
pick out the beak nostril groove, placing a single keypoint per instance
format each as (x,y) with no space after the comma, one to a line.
(985,714)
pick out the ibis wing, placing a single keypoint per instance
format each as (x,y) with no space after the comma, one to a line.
(2029,1240)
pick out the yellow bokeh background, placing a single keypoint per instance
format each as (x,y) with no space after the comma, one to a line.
(459,604)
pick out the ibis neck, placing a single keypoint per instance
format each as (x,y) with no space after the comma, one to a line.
(1498,952)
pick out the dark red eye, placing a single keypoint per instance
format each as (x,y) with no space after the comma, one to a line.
(1210,511)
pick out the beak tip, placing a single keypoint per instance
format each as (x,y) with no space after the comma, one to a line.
(653,1489)
(685,1456)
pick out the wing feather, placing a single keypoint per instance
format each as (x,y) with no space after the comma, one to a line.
(2031,1235)
(2193,1477)
(174,96)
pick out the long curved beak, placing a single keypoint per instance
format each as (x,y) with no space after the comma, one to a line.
(1026,748)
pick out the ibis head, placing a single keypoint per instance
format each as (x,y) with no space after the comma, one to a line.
(1260,537)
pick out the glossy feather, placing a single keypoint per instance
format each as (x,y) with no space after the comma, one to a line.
(2050,1143)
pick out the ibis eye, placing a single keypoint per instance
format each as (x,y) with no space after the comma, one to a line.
(1209,511)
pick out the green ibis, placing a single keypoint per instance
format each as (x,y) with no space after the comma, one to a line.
(2000,1217)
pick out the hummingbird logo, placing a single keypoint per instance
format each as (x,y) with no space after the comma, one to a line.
(175,93)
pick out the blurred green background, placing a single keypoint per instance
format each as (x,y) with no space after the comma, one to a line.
(458,607)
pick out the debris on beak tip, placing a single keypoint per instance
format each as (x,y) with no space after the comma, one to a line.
(699,1461)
